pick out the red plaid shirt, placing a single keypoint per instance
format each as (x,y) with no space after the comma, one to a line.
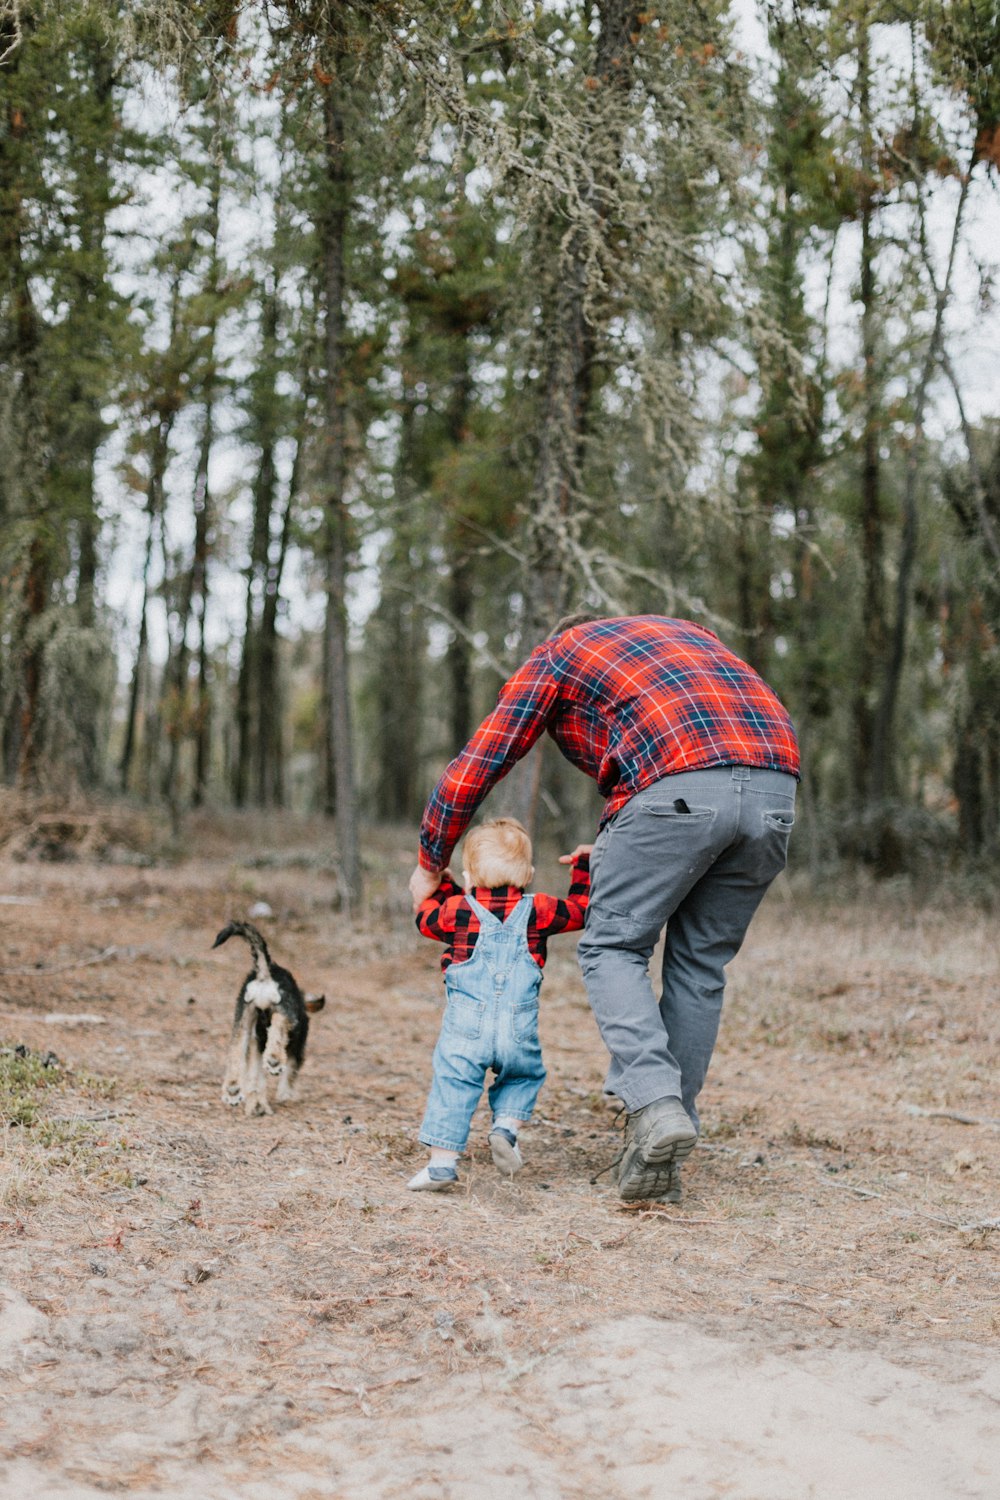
(628,701)
(448,917)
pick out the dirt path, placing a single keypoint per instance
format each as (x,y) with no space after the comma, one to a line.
(199,1304)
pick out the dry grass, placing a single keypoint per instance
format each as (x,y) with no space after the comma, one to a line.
(833,1190)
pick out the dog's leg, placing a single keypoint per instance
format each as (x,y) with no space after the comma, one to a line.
(256,1084)
(276,1051)
(234,1078)
(286,1083)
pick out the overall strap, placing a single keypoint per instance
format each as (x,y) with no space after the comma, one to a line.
(487,921)
(517,922)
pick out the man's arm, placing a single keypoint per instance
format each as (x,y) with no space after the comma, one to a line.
(507,734)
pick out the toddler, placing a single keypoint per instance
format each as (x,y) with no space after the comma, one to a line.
(495,940)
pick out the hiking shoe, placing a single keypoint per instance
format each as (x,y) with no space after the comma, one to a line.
(673,1193)
(657,1139)
(506,1152)
(433,1180)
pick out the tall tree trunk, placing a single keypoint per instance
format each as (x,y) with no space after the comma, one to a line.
(36,598)
(154,511)
(199,593)
(194,585)
(248,683)
(883,778)
(96,198)
(458,660)
(176,685)
(872,636)
(332,225)
(25,485)
(270,744)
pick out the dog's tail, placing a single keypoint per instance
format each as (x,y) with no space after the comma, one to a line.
(258,947)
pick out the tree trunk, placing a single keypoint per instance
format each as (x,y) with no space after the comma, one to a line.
(192,589)
(458,661)
(200,597)
(270,744)
(332,225)
(883,757)
(153,506)
(25,484)
(248,705)
(36,598)
(872,640)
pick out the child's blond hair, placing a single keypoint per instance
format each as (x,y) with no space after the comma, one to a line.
(498,853)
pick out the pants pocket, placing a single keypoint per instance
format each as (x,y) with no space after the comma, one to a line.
(776,828)
(668,812)
(605,927)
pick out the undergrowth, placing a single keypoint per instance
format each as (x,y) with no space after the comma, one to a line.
(39,1146)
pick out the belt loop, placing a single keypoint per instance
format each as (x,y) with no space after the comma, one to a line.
(741,773)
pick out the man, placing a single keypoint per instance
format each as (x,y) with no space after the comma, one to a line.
(698,762)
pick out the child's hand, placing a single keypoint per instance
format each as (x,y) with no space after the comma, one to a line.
(567,859)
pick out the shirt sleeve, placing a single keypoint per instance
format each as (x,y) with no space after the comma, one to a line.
(435,917)
(568,913)
(523,709)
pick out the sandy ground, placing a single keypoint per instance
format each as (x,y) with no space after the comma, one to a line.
(194,1303)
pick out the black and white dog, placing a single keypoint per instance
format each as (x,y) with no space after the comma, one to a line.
(269,1028)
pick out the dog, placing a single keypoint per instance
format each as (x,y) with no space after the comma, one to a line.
(270,1028)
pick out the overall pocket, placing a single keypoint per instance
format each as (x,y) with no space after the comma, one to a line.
(463,1015)
(524,1021)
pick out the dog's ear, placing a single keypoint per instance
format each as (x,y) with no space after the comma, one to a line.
(315,1003)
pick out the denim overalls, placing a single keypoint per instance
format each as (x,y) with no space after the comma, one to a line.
(490,1021)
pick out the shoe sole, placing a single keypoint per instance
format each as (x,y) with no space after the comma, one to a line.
(672,1145)
(652,1173)
(645,1181)
(506,1157)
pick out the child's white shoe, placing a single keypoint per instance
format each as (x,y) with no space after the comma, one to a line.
(506,1152)
(433,1179)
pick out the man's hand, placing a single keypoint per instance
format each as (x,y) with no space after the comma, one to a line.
(567,859)
(423,883)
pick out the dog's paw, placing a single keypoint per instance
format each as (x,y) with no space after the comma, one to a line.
(258,1105)
(274,1063)
(232,1094)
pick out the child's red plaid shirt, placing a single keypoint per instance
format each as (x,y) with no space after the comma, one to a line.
(628,701)
(449,918)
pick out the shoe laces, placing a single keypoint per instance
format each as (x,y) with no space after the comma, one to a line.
(622,1110)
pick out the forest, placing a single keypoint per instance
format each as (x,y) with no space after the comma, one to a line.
(345,345)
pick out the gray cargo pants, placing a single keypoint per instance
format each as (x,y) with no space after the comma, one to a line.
(702,874)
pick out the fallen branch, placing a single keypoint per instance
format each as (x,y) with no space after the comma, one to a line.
(77,963)
(104,1114)
(951,1114)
